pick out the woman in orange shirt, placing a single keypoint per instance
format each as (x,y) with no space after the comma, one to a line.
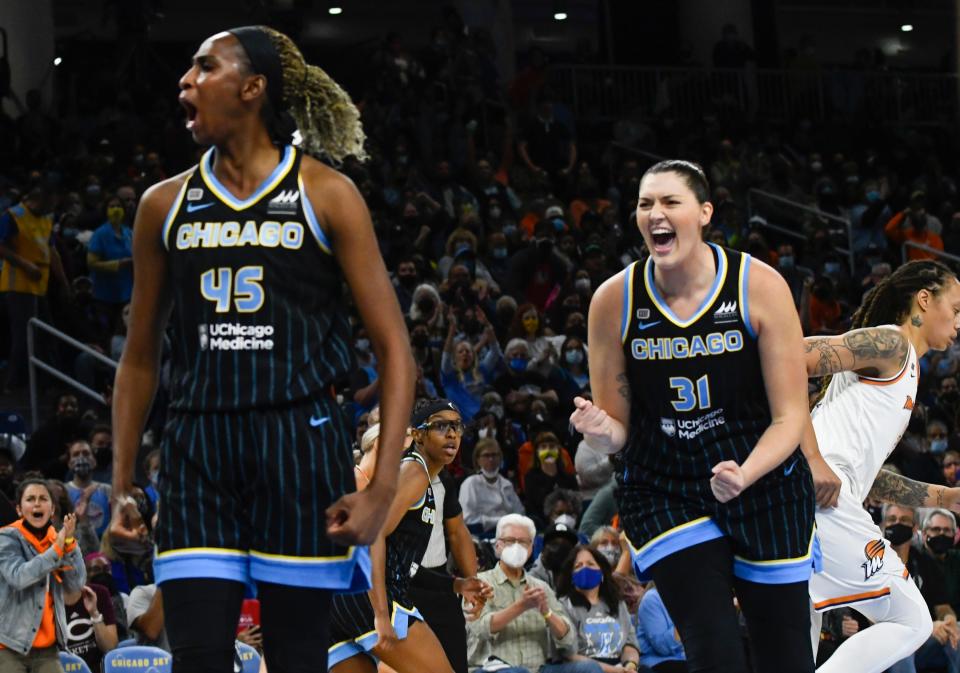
(37,565)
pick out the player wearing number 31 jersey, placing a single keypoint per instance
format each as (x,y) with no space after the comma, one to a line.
(244,256)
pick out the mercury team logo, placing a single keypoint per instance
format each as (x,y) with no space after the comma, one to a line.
(874,553)
(669,426)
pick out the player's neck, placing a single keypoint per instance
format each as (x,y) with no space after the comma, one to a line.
(915,336)
(903,551)
(244,162)
(692,276)
(433,466)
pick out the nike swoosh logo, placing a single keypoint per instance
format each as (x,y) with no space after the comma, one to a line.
(647,325)
(317,422)
(788,470)
(194,207)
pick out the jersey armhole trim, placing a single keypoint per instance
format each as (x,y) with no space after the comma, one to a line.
(312,222)
(627,302)
(171,214)
(888,381)
(744,291)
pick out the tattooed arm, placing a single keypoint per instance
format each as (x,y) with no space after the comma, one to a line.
(871,351)
(899,490)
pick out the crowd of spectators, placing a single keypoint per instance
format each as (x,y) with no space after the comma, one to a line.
(497,224)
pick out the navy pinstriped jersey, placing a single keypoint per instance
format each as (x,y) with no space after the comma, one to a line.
(258,318)
(408,542)
(698,398)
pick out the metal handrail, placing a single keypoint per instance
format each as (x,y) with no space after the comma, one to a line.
(847,224)
(36,363)
(926,248)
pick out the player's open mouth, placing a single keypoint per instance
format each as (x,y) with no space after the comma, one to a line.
(662,240)
(191,111)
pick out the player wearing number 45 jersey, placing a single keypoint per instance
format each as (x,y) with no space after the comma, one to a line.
(701,383)
(244,257)
(865,408)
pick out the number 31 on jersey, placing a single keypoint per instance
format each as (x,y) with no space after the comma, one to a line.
(691,396)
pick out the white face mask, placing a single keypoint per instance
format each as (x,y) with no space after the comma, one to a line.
(567,521)
(489,474)
(611,553)
(514,556)
(483,433)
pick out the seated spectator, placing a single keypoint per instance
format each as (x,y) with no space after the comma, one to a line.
(145,616)
(573,361)
(606,540)
(39,566)
(914,224)
(558,540)
(90,499)
(941,648)
(605,633)
(523,626)
(939,540)
(487,496)
(521,375)
(951,461)
(837,627)
(660,646)
(465,378)
(545,475)
(921,460)
(99,572)
(91,624)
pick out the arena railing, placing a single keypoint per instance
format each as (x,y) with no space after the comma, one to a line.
(904,254)
(801,216)
(35,363)
(610,92)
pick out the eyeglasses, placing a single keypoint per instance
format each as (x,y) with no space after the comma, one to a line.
(525,541)
(938,530)
(443,427)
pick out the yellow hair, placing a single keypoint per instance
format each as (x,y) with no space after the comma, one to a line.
(328,120)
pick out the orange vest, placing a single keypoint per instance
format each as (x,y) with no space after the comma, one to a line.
(32,243)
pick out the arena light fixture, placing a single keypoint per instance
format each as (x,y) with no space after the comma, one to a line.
(907,28)
(57,60)
(335,10)
(560,16)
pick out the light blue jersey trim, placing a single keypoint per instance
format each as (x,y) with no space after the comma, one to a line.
(627,302)
(402,619)
(349,573)
(312,222)
(670,542)
(745,293)
(227,564)
(171,214)
(267,186)
(786,571)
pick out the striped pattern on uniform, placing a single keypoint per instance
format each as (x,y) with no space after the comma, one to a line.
(258,317)
(698,398)
(352,614)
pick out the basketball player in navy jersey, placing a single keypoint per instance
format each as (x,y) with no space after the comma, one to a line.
(244,256)
(702,385)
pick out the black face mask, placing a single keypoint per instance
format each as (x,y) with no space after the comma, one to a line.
(940,544)
(426,305)
(407,281)
(420,340)
(898,533)
(104,580)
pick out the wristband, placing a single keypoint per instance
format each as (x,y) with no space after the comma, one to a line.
(69,540)
(548,614)
(96,620)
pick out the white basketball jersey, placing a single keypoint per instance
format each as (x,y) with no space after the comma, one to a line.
(860,421)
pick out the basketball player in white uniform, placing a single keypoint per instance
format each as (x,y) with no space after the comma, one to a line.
(858,422)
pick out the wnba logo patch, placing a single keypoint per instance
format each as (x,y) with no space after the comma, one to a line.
(874,553)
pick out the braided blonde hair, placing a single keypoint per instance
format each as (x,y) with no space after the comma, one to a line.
(328,121)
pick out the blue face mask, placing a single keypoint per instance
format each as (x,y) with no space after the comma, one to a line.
(509,230)
(832,268)
(786,261)
(587,578)
(873,196)
(500,253)
(938,445)
(518,364)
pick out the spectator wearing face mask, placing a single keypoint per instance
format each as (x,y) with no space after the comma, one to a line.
(606,540)
(110,261)
(924,465)
(546,474)
(795,274)
(573,361)
(939,540)
(559,538)
(523,627)
(90,498)
(590,596)
(101,443)
(914,224)
(487,496)
(99,572)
